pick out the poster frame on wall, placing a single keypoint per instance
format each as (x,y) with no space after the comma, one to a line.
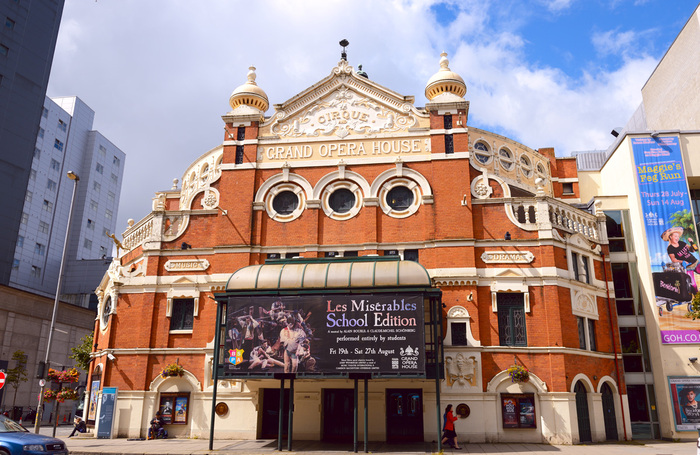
(686,416)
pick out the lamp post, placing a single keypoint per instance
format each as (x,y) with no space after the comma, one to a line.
(37,423)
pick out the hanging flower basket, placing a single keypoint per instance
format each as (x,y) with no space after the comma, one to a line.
(66,394)
(171,370)
(49,395)
(518,373)
(70,375)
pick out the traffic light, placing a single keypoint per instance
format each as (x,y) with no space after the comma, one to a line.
(41,369)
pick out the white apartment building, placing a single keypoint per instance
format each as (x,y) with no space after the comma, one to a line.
(67,142)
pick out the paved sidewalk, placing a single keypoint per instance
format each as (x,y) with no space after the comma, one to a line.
(84,445)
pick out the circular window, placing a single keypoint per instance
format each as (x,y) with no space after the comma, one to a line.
(481,153)
(341,200)
(106,310)
(540,169)
(525,165)
(285,202)
(399,198)
(506,158)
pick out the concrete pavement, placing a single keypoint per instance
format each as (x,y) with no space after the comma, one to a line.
(87,445)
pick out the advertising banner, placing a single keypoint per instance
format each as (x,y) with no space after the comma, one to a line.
(326,334)
(670,233)
(684,396)
(104,426)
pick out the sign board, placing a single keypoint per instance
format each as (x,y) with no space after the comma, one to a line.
(106,414)
(2,379)
(334,334)
(670,234)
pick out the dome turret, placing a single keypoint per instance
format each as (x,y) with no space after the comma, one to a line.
(445,81)
(249,94)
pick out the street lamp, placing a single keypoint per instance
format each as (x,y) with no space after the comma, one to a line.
(37,423)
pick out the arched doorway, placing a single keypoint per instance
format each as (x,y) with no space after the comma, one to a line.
(609,413)
(584,422)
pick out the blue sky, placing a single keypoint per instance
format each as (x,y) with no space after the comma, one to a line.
(546,73)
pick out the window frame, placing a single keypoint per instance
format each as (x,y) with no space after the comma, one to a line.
(169,418)
(508,311)
(182,315)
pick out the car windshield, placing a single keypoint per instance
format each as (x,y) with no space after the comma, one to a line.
(9,425)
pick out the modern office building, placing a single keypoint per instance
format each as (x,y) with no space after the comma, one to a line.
(28,32)
(642,197)
(65,142)
(355,241)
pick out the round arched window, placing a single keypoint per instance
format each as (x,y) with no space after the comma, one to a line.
(399,198)
(106,310)
(285,202)
(481,153)
(525,165)
(506,158)
(341,200)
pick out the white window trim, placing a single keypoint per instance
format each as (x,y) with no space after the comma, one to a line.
(513,287)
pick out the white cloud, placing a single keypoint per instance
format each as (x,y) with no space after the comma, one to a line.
(159,74)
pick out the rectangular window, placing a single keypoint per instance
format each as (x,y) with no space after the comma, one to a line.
(580,266)
(36,272)
(96,186)
(15,264)
(28,197)
(99,168)
(41,133)
(93,205)
(591,335)
(43,227)
(45,113)
(9,23)
(459,333)
(614,227)
(350,254)
(586,273)
(518,410)
(174,408)
(62,125)
(410,255)
(447,121)
(87,244)
(47,206)
(55,165)
(391,253)
(32,174)
(116,161)
(240,133)
(291,255)
(103,150)
(115,178)
(108,214)
(4,49)
(581,322)
(110,196)
(330,254)
(273,255)
(90,224)
(20,241)
(40,249)
(183,314)
(51,185)
(105,232)
(511,319)
(25,217)
(239,154)
(37,152)
(567,188)
(449,144)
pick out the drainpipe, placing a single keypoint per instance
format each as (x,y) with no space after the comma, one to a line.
(612,333)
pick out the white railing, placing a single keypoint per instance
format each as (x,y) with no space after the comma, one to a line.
(547,213)
(139,233)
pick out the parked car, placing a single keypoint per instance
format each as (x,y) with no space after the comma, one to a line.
(16,440)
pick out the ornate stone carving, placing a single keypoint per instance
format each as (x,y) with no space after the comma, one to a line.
(584,304)
(342,113)
(507,257)
(186,265)
(461,370)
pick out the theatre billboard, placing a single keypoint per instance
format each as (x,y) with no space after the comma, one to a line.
(328,335)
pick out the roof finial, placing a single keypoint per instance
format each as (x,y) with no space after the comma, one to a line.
(251,75)
(343,55)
